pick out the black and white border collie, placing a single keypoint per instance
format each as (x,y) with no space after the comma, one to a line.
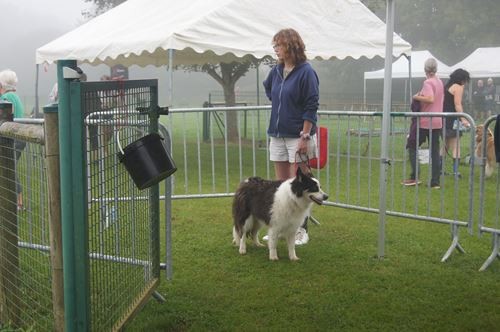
(281,205)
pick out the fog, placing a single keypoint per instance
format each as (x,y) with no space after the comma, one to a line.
(29,24)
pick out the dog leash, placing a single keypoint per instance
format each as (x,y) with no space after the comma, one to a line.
(307,162)
(302,160)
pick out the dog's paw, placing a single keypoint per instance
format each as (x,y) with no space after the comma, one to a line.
(294,258)
(243,252)
(273,258)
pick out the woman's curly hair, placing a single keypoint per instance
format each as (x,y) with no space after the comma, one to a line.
(459,76)
(292,43)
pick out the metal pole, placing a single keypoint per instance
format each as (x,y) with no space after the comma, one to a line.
(364,94)
(411,77)
(74,223)
(154,193)
(386,121)
(37,101)
(168,210)
(171,77)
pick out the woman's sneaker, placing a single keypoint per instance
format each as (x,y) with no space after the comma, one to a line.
(410,182)
(301,237)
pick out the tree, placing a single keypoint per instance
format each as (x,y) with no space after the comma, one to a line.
(450,29)
(227,74)
(101,6)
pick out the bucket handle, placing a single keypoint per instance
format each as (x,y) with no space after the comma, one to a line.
(118,139)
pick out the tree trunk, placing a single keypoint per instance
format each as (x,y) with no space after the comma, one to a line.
(232,116)
(230,73)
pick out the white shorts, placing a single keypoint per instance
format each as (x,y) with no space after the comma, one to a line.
(285,148)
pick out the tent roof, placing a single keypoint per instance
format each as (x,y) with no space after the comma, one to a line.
(483,62)
(400,67)
(210,31)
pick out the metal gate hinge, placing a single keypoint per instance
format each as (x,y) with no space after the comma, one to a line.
(162,110)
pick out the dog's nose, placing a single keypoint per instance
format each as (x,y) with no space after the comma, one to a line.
(325,197)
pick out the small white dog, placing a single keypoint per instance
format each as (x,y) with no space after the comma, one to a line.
(281,205)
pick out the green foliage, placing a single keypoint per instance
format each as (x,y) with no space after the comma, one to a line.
(101,6)
(451,29)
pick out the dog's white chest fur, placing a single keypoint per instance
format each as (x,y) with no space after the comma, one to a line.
(288,211)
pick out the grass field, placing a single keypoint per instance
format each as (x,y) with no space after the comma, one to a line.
(338,285)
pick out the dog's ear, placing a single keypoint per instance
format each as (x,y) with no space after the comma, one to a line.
(299,173)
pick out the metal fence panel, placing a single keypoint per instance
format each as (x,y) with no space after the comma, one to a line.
(489,194)
(216,148)
(123,221)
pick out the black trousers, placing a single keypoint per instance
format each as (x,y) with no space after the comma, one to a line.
(432,136)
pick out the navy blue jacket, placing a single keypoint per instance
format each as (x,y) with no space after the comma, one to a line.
(293,99)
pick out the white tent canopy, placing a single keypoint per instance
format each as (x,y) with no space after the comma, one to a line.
(483,62)
(400,67)
(142,32)
(145,32)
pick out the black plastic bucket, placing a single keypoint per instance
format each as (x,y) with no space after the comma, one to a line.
(147,160)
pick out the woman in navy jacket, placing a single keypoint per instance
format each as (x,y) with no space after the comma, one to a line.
(293,88)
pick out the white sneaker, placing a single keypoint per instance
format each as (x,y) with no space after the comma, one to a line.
(301,237)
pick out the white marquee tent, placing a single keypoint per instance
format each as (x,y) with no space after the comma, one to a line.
(142,32)
(483,62)
(401,69)
(146,32)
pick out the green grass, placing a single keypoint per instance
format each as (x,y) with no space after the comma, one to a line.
(338,285)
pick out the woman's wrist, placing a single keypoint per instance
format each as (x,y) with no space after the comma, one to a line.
(305,136)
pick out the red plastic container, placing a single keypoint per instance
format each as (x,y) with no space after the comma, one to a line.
(322,143)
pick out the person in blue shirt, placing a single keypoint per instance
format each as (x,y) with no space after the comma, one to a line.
(292,86)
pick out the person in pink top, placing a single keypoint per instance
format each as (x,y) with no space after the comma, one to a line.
(431,98)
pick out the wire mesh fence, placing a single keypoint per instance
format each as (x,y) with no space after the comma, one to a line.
(122,220)
(120,228)
(26,264)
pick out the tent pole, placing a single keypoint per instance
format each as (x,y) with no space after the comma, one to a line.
(409,75)
(37,103)
(258,83)
(170,77)
(258,97)
(386,120)
(364,93)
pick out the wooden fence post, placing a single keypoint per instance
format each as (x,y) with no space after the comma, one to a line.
(53,172)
